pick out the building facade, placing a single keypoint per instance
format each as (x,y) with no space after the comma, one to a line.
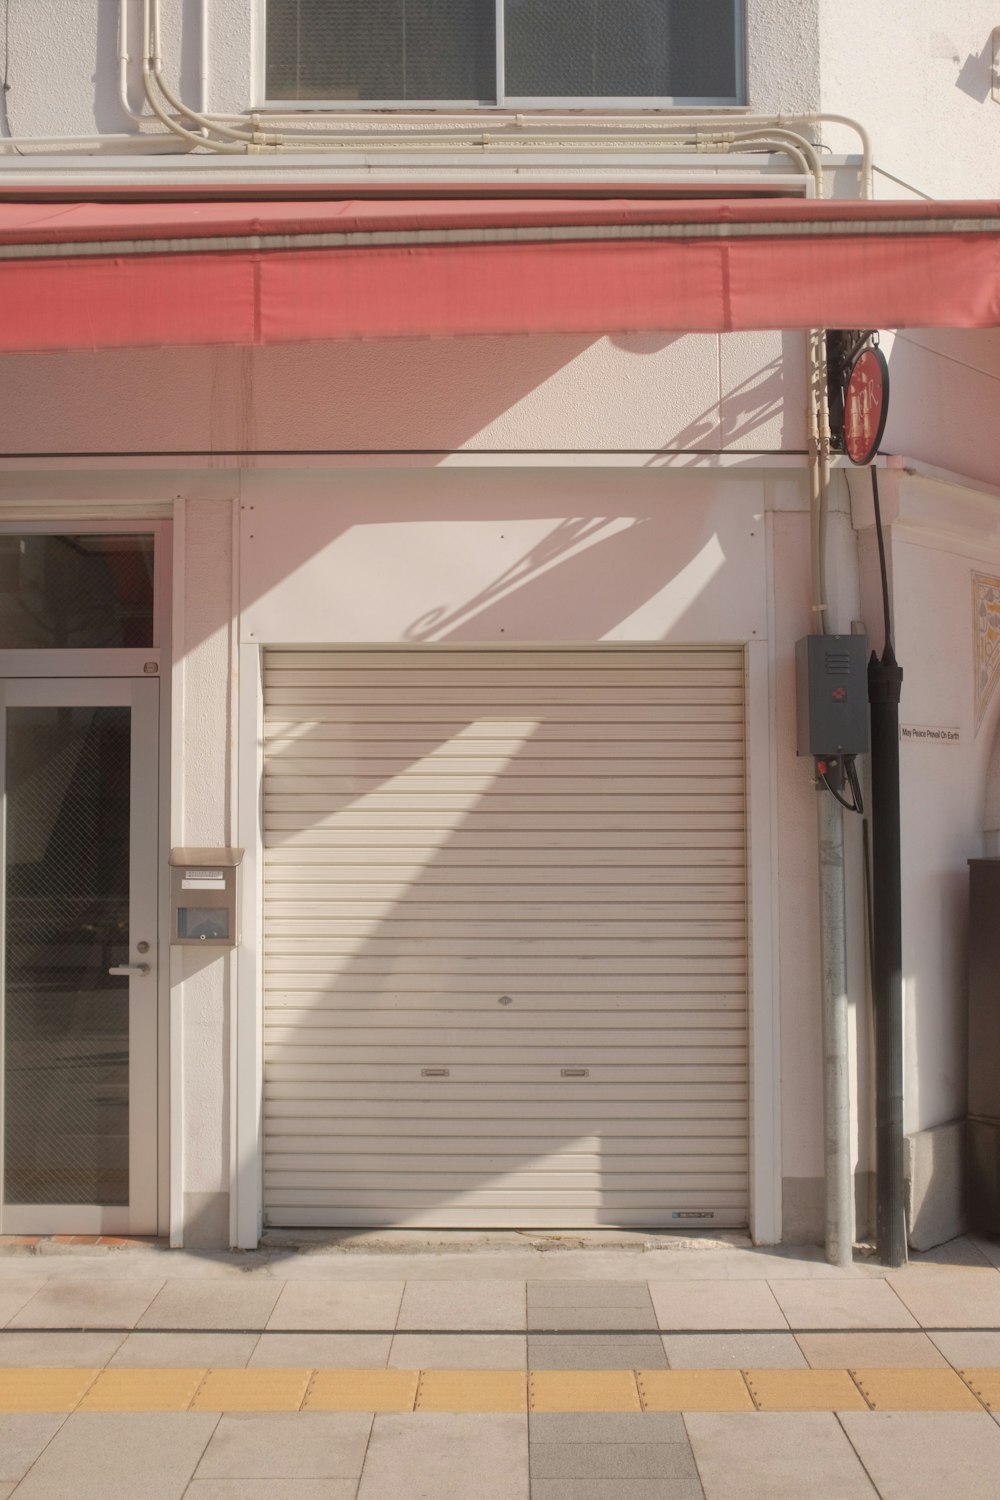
(481,648)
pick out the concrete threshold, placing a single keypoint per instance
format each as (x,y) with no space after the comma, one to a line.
(460,1241)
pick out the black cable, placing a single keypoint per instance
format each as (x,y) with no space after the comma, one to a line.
(856,793)
(834,793)
(887,624)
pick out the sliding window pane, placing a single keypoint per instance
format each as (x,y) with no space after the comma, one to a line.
(381,49)
(621,49)
(65,592)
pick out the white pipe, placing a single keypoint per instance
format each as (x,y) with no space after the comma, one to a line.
(123,62)
(836,1082)
(204,60)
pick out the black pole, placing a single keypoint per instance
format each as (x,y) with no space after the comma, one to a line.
(885,679)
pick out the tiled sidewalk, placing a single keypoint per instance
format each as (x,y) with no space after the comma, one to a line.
(714,1374)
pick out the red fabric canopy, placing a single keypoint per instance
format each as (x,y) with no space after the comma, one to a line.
(118,274)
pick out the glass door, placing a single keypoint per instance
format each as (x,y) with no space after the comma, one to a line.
(78,780)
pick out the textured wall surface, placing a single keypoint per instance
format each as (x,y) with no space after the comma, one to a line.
(206,772)
(918,74)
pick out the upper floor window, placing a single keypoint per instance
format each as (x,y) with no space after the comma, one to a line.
(573,53)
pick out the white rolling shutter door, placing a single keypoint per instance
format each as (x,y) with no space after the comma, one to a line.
(505,938)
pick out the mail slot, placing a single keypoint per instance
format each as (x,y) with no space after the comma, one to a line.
(204,897)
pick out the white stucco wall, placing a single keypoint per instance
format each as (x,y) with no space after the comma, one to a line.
(645,392)
(202,782)
(918,74)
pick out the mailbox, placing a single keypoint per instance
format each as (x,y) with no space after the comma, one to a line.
(204,897)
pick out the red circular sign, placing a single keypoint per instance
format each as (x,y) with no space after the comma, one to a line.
(866,405)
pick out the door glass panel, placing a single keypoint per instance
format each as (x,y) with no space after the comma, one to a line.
(67,910)
(65,592)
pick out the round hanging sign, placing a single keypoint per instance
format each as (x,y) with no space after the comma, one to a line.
(866,406)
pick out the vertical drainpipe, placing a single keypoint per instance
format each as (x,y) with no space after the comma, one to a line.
(885,679)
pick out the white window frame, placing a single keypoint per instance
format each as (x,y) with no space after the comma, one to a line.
(503,101)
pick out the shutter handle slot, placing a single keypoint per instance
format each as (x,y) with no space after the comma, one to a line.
(435,1072)
(574,1072)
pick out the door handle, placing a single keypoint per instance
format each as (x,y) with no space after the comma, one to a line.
(129,969)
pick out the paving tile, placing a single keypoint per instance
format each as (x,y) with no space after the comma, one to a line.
(83,1350)
(142,1390)
(592,1319)
(804,1390)
(23,1435)
(338,1306)
(777,1457)
(733,1351)
(252,1390)
(965,1251)
(97,1454)
(362,1390)
(924,1456)
(14,1294)
(612,1461)
(212,1305)
(915,1390)
(961,1348)
(843,1351)
(598,1351)
(263,1489)
(447,1456)
(352,1351)
(986,1386)
(86,1304)
(939,1298)
(472,1390)
(736,1306)
(466,1305)
(633,1489)
(7,1489)
(156,1351)
(588,1294)
(582,1390)
(607,1427)
(455,1351)
(280,1446)
(989,1248)
(43,1390)
(841,1304)
(693,1390)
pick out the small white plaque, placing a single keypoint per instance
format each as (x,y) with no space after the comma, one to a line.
(929,734)
(204,880)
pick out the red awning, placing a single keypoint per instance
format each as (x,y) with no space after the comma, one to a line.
(118,274)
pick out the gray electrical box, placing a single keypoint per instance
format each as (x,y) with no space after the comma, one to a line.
(204,897)
(832,680)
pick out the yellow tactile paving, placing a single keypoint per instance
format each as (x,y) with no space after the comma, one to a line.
(472,1390)
(362,1390)
(915,1390)
(986,1385)
(583,1390)
(44,1389)
(176,1390)
(251,1390)
(693,1390)
(143,1390)
(804,1390)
